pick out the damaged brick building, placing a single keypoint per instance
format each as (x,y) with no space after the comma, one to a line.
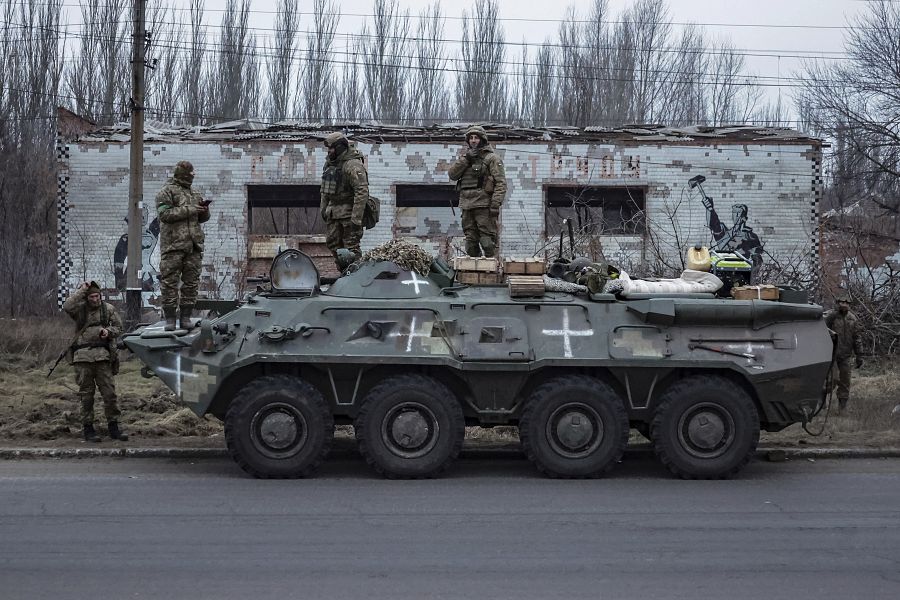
(625,188)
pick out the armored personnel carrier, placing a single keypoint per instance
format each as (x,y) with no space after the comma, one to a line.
(410,358)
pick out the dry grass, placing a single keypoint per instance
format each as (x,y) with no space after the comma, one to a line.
(35,409)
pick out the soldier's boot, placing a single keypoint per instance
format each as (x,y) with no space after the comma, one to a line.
(184,321)
(90,435)
(116,433)
(473,249)
(169,314)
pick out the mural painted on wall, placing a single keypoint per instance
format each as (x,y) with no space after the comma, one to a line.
(149,256)
(740,237)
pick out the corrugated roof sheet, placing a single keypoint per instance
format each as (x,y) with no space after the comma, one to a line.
(250,129)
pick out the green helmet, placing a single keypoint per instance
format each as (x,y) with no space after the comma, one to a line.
(479,131)
(335,138)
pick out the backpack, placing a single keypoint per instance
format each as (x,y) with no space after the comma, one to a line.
(371,213)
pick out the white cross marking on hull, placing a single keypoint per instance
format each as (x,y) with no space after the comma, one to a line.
(410,335)
(567,334)
(415,282)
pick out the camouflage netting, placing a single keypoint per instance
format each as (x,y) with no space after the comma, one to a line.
(405,254)
(551,284)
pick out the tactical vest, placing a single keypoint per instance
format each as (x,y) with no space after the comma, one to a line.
(334,187)
(476,177)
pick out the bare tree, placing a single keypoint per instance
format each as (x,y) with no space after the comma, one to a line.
(430,101)
(731,96)
(163,78)
(384,51)
(317,81)
(192,73)
(233,84)
(351,82)
(30,74)
(281,56)
(99,80)
(650,30)
(481,91)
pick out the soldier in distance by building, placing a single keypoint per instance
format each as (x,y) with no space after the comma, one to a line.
(93,355)
(181,210)
(845,324)
(344,193)
(481,182)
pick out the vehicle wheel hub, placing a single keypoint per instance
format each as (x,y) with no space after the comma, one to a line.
(706,431)
(410,430)
(575,430)
(278,430)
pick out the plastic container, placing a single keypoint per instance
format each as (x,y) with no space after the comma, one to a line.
(698,258)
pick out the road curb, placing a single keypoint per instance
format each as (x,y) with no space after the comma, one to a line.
(773,453)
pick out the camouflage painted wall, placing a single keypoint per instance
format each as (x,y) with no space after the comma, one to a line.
(778,184)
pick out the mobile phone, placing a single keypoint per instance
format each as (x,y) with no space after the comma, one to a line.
(205,202)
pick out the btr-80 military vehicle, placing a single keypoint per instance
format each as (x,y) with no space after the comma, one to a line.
(410,359)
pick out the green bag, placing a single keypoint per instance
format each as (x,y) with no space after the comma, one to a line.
(371,213)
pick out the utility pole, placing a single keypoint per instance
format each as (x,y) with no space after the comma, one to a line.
(133,279)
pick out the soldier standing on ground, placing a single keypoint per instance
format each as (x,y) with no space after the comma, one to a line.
(481,182)
(846,325)
(181,211)
(93,356)
(344,192)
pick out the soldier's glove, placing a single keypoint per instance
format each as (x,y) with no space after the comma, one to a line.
(356,222)
(471,155)
(859,362)
(495,212)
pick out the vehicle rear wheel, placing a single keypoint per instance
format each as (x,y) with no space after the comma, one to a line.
(574,427)
(279,427)
(410,427)
(705,427)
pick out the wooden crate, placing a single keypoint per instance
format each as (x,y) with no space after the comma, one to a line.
(480,265)
(755,292)
(523,266)
(522,286)
(476,278)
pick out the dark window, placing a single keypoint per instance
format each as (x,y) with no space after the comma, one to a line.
(597,210)
(284,210)
(430,196)
(424,211)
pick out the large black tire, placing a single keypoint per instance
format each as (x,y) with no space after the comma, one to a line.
(574,427)
(410,427)
(279,427)
(705,427)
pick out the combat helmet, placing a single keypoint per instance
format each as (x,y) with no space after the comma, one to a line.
(479,131)
(843,296)
(333,139)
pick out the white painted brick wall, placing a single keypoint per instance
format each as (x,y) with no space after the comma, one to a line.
(775,181)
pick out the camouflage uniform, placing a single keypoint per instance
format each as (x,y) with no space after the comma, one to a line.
(181,241)
(846,326)
(481,182)
(92,355)
(344,192)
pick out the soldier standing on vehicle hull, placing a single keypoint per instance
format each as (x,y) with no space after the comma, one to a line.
(846,325)
(344,193)
(93,354)
(481,182)
(181,211)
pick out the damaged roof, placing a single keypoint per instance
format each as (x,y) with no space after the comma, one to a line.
(374,132)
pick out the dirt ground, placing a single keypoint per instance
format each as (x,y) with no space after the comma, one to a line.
(37,411)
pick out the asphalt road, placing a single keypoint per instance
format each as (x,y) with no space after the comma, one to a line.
(146,528)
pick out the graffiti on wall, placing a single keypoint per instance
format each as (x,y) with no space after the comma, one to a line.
(149,256)
(739,238)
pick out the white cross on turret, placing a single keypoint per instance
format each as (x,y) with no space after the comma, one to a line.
(410,334)
(567,334)
(415,281)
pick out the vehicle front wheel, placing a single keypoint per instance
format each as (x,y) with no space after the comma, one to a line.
(279,426)
(410,427)
(705,427)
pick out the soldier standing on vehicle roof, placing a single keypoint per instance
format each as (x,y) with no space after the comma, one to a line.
(846,325)
(344,192)
(181,211)
(481,182)
(93,354)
